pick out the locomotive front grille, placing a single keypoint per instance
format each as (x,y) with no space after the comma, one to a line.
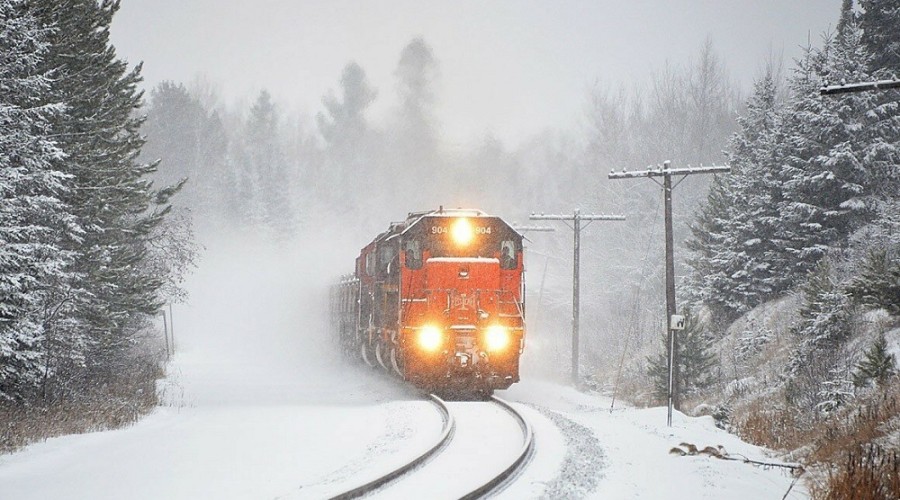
(465,342)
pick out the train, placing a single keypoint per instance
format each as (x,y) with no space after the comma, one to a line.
(439,301)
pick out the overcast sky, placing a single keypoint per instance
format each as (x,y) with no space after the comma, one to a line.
(508,67)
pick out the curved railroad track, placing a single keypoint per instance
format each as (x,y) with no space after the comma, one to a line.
(445,437)
(517,465)
(437,463)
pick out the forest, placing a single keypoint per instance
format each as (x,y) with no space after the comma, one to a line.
(788,267)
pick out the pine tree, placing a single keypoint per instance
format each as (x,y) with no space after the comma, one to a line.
(878,285)
(265,170)
(880,21)
(736,253)
(804,178)
(825,313)
(346,132)
(34,221)
(414,134)
(112,198)
(877,366)
(345,122)
(827,176)
(190,143)
(695,360)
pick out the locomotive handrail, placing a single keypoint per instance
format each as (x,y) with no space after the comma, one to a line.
(446,436)
(521,459)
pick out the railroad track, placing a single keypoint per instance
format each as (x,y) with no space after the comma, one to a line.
(438,467)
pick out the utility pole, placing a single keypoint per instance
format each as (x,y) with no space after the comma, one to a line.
(172,326)
(576,220)
(666,172)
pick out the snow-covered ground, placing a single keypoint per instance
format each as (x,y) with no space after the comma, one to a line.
(257,406)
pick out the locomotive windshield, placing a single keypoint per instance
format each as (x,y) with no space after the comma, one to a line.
(462,237)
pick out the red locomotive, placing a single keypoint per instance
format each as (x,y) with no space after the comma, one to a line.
(439,300)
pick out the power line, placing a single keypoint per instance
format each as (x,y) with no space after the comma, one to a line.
(847,88)
(576,218)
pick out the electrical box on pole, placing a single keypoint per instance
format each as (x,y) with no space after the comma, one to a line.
(667,172)
(576,219)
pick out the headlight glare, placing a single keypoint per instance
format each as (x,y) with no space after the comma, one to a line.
(462,232)
(496,338)
(430,338)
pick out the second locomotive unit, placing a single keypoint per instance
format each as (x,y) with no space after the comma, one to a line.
(438,299)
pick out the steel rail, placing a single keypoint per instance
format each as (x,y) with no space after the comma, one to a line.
(446,436)
(517,465)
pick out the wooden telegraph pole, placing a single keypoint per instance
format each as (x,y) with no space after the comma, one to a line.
(666,172)
(576,220)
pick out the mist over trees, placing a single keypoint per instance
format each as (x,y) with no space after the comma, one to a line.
(347,168)
(78,283)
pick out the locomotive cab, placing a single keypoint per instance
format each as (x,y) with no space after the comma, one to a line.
(441,301)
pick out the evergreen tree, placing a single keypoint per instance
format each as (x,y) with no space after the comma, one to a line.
(828,183)
(803,179)
(265,169)
(880,21)
(112,198)
(414,139)
(878,285)
(847,18)
(736,254)
(695,361)
(416,72)
(877,366)
(190,142)
(346,132)
(345,122)
(34,221)
(825,313)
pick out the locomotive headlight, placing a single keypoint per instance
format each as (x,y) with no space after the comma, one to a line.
(496,338)
(462,232)
(430,338)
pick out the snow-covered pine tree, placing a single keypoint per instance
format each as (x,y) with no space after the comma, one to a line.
(695,360)
(413,134)
(877,366)
(814,377)
(825,313)
(112,197)
(827,181)
(265,163)
(735,252)
(880,21)
(34,221)
(346,131)
(878,283)
(190,142)
(714,259)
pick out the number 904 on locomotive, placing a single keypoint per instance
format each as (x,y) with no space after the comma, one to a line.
(438,300)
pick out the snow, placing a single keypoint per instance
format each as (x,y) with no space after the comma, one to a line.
(256,406)
(633,460)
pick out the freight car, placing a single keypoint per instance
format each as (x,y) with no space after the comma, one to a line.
(438,300)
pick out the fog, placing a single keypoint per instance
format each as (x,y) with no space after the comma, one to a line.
(304,129)
(255,329)
(509,68)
